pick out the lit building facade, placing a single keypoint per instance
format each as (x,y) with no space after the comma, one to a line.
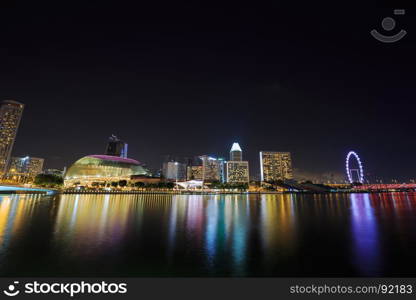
(194,173)
(275,166)
(24,169)
(237,172)
(116,147)
(175,171)
(236,154)
(102,169)
(212,169)
(222,162)
(236,169)
(10,116)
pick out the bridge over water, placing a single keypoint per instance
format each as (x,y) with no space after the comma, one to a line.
(386,187)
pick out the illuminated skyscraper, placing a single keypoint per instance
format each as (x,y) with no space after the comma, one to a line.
(222,163)
(174,170)
(194,173)
(212,169)
(24,169)
(275,166)
(116,147)
(237,169)
(194,168)
(10,115)
(237,172)
(236,154)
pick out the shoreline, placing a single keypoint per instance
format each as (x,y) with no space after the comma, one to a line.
(55,192)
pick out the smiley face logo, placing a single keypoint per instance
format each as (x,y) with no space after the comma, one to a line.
(389,24)
(11,290)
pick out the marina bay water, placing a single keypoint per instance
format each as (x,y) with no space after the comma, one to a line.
(208,235)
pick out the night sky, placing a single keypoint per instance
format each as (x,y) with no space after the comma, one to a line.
(190,79)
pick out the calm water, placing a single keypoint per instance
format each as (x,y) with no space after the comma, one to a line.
(226,235)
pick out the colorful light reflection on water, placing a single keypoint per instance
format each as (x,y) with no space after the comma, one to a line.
(218,235)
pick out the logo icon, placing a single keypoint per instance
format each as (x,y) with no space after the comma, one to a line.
(389,24)
(12,291)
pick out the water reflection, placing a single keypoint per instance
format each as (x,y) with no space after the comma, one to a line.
(15,212)
(209,235)
(365,235)
(212,233)
(92,224)
(241,221)
(226,234)
(278,221)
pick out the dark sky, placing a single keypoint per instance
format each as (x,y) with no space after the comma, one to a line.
(190,79)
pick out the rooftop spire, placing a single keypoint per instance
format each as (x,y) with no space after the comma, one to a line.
(235,147)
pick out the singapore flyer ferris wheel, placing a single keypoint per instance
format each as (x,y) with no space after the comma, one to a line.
(351,171)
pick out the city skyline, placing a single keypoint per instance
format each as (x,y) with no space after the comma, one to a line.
(267,142)
(179,170)
(268,83)
(118,148)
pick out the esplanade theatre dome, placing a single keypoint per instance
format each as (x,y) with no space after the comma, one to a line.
(103,168)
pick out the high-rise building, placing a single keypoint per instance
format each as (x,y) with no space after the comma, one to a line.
(174,170)
(212,169)
(24,169)
(10,115)
(236,154)
(116,147)
(237,172)
(194,173)
(237,169)
(275,166)
(222,163)
(194,168)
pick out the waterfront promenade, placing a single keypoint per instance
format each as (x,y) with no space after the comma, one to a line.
(10,189)
(14,189)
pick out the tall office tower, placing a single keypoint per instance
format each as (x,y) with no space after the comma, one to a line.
(211,169)
(24,169)
(194,173)
(174,170)
(237,172)
(236,168)
(194,168)
(10,115)
(116,147)
(275,166)
(236,154)
(222,162)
